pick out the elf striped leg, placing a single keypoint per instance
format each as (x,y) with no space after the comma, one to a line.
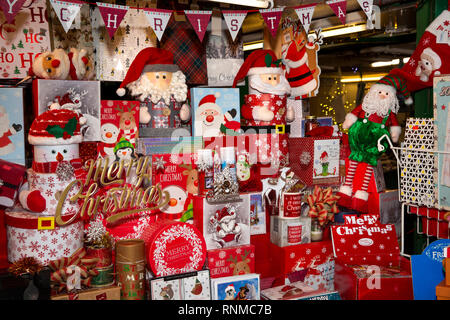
(361,196)
(346,190)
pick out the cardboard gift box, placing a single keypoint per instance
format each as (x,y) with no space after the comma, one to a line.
(231,261)
(368,262)
(187,286)
(242,287)
(225,224)
(12,176)
(312,263)
(298,291)
(290,231)
(105,293)
(315,160)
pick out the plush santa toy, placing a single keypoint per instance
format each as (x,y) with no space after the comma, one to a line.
(155,80)
(78,63)
(51,65)
(55,136)
(374,119)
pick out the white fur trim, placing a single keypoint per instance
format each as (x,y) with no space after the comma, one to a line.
(409,101)
(346,190)
(46,141)
(351,118)
(209,105)
(395,132)
(378,86)
(23,195)
(305,89)
(264,70)
(362,195)
(120,92)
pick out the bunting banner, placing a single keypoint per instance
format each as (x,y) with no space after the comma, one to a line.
(199,21)
(340,9)
(234,20)
(367,6)
(305,14)
(10,8)
(158,19)
(66,11)
(272,18)
(112,15)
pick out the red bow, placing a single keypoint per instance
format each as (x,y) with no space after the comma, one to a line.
(322,205)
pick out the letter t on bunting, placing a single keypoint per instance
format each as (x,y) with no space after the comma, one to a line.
(340,8)
(158,19)
(199,21)
(305,14)
(234,20)
(10,8)
(66,11)
(272,18)
(112,16)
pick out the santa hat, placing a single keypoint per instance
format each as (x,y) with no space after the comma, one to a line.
(55,127)
(230,287)
(397,85)
(433,57)
(32,200)
(323,155)
(258,62)
(220,214)
(209,102)
(148,60)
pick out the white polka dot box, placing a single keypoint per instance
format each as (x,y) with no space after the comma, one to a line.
(40,237)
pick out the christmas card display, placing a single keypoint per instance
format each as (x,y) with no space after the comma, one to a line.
(441,94)
(224,56)
(225,224)
(22,39)
(83,97)
(417,185)
(243,287)
(298,291)
(114,56)
(366,251)
(321,122)
(215,111)
(231,261)
(12,176)
(12,140)
(312,263)
(315,160)
(105,293)
(290,231)
(162,145)
(119,120)
(257,214)
(188,286)
(177,174)
(173,248)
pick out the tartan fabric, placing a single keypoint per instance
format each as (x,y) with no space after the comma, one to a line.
(189,53)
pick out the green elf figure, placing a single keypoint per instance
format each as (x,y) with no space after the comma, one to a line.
(369,124)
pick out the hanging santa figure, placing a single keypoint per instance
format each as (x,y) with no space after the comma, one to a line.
(156,81)
(299,56)
(7,130)
(55,136)
(373,119)
(265,109)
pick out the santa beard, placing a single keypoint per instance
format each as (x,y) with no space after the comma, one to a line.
(373,104)
(256,85)
(143,88)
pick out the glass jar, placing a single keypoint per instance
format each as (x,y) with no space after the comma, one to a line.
(316,230)
(311,123)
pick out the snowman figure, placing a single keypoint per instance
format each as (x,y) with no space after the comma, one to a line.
(109,134)
(55,136)
(175,207)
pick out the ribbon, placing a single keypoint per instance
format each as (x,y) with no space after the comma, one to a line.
(322,205)
(61,271)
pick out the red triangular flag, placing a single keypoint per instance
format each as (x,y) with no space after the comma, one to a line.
(112,16)
(272,18)
(199,21)
(340,8)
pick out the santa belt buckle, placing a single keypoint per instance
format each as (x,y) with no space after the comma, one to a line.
(46,223)
(280,128)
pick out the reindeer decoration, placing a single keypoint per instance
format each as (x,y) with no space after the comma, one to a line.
(127,123)
(191,189)
(71,101)
(240,267)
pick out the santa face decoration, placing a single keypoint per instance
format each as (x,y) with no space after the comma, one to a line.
(176,202)
(56,153)
(52,65)
(429,62)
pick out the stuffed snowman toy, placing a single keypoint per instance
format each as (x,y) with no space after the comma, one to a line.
(175,207)
(109,134)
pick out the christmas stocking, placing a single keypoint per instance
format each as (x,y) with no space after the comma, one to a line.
(430,58)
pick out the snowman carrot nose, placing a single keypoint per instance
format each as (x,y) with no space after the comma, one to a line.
(173,202)
(59,157)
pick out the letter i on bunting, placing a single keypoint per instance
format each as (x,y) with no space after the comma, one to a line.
(199,21)
(112,15)
(305,14)
(340,8)
(234,20)
(158,19)
(272,18)
(10,8)
(66,11)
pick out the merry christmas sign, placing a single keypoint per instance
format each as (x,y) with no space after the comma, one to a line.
(23,37)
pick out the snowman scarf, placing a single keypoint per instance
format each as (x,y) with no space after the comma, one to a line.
(65,170)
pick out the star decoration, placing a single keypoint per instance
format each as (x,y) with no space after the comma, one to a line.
(160,164)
